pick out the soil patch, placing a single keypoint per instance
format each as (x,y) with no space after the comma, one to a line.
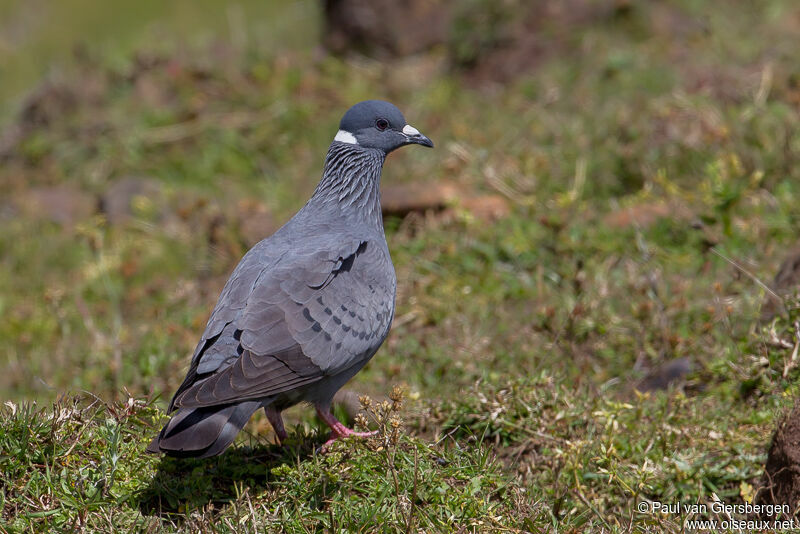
(780,483)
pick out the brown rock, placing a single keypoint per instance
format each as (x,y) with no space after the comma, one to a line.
(492,42)
(646,214)
(665,375)
(495,42)
(486,207)
(421,197)
(780,483)
(118,201)
(640,215)
(61,204)
(385,27)
(401,199)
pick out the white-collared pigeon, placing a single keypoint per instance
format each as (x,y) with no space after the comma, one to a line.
(306,308)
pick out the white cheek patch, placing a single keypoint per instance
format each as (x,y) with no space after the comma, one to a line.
(410,130)
(345,137)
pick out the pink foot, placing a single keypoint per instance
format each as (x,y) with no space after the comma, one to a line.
(338,430)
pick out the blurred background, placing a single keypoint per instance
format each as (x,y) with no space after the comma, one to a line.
(598,264)
(591,157)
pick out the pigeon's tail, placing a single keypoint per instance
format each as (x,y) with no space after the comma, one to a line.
(203,432)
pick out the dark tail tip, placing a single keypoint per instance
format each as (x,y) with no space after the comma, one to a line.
(202,432)
(153,448)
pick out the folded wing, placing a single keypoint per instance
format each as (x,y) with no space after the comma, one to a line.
(278,329)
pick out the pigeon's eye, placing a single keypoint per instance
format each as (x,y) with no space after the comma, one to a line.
(381,124)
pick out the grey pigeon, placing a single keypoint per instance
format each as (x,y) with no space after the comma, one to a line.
(306,308)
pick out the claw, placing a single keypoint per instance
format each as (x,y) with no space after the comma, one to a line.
(338,430)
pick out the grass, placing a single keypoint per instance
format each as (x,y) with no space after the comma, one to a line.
(519,341)
(85,462)
(32,44)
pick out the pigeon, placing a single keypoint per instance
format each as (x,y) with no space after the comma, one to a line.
(306,308)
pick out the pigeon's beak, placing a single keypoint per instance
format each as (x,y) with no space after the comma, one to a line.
(414,137)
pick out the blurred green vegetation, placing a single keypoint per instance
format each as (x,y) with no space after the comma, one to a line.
(37,38)
(634,157)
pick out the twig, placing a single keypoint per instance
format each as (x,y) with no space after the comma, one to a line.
(793,359)
(500,186)
(752,277)
(449,434)
(585,501)
(412,508)
(390,461)
(172,133)
(533,433)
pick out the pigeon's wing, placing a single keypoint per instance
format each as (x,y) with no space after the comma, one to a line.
(337,307)
(218,342)
(308,317)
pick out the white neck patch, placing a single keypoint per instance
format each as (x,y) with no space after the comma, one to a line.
(344,136)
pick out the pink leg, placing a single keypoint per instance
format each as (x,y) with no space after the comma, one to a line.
(275,419)
(338,429)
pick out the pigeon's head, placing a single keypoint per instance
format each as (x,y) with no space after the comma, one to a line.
(380,125)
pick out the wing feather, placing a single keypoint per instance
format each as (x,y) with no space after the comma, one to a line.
(291,324)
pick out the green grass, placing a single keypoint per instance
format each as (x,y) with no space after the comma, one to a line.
(84,461)
(520,341)
(46,40)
